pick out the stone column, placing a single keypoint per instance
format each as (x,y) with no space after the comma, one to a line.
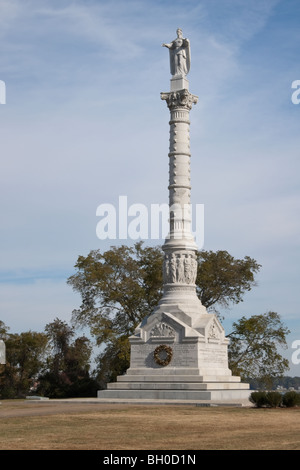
(180,263)
(180,236)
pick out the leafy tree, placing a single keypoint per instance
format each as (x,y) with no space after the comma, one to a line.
(25,355)
(59,334)
(286,382)
(253,350)
(67,371)
(222,279)
(3,331)
(113,360)
(118,289)
(121,286)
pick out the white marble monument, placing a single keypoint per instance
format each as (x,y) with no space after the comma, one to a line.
(179,352)
(2,352)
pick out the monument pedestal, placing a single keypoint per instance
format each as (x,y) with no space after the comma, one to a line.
(179,83)
(174,362)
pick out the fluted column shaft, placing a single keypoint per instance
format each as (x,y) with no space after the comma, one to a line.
(180,265)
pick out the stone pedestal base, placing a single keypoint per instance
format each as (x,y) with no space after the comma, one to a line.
(178,388)
(179,83)
(177,360)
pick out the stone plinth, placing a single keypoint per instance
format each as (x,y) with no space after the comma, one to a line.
(179,83)
(174,362)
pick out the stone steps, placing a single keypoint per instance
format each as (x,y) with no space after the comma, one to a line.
(221,394)
(175,386)
(179,378)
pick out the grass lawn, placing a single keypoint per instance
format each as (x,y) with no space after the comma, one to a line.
(87,426)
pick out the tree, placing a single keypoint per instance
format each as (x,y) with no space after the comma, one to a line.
(59,335)
(118,289)
(222,279)
(253,350)
(113,360)
(25,355)
(122,286)
(3,331)
(67,371)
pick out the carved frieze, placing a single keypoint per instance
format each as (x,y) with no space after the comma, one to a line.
(180,268)
(162,329)
(213,332)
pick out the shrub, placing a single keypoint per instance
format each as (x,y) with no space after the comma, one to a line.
(259,399)
(291,399)
(274,399)
(266,399)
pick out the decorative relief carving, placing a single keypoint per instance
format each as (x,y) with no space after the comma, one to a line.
(213,332)
(180,268)
(179,99)
(163,355)
(162,329)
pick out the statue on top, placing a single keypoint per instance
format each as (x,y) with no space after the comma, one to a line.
(180,55)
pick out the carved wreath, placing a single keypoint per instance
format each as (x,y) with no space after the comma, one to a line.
(165,358)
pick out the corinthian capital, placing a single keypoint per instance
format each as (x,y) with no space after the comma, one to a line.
(179,99)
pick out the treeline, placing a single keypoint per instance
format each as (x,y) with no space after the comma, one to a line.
(57,364)
(53,363)
(118,289)
(285,382)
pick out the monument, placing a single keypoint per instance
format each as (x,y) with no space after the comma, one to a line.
(179,352)
(2,352)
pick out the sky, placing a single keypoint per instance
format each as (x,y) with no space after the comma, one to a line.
(83,124)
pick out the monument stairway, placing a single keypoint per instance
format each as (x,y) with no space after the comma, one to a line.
(178,387)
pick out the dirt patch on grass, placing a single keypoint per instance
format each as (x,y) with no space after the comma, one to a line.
(89,426)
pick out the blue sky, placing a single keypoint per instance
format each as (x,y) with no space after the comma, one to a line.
(83,124)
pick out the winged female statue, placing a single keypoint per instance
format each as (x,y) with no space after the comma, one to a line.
(180,55)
